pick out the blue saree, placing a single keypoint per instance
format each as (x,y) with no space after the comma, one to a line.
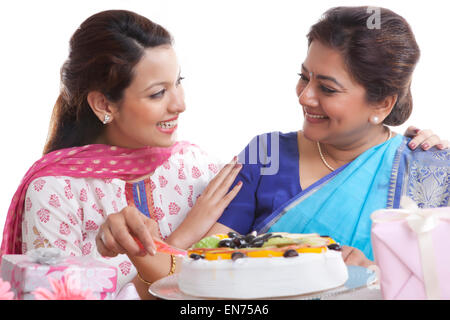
(340,204)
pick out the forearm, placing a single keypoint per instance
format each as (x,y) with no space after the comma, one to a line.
(182,237)
(218,228)
(151,269)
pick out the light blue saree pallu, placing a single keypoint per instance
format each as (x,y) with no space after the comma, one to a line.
(339,205)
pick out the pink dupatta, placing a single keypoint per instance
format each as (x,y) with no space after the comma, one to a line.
(90,161)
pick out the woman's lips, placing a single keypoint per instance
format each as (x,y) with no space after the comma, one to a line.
(168,126)
(315,118)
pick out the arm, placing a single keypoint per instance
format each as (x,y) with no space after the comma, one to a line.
(355,257)
(117,234)
(208,207)
(219,228)
(50,218)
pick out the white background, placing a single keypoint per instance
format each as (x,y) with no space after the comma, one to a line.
(240,60)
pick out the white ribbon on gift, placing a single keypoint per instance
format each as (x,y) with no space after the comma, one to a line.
(48,256)
(422,222)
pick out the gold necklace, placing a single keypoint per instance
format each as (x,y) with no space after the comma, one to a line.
(325,161)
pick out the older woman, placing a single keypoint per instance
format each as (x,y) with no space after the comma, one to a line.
(346,162)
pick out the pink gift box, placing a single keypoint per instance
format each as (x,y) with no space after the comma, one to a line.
(411,249)
(25,275)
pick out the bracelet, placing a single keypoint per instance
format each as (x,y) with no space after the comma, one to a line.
(143,280)
(173,264)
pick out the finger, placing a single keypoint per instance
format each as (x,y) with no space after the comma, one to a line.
(218,179)
(444,144)
(411,131)
(366,263)
(103,241)
(135,221)
(110,243)
(224,187)
(356,259)
(123,237)
(430,142)
(101,248)
(353,259)
(420,138)
(346,251)
(230,195)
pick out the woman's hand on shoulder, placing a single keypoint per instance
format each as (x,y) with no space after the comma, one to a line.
(208,207)
(118,234)
(355,257)
(426,139)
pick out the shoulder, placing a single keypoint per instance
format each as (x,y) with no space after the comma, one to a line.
(48,183)
(268,144)
(188,149)
(432,156)
(189,158)
(274,138)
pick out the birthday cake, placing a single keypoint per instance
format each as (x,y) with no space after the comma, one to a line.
(261,266)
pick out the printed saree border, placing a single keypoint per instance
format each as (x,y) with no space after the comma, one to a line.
(395,185)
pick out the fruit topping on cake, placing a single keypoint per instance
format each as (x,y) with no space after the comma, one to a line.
(277,244)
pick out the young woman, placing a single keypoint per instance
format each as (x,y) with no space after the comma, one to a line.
(112,148)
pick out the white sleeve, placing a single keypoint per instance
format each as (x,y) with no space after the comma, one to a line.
(52,217)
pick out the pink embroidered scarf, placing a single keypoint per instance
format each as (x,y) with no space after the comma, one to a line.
(90,161)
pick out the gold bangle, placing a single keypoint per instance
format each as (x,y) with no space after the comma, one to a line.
(143,280)
(173,264)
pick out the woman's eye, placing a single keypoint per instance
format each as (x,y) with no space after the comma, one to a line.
(303,77)
(327,90)
(179,80)
(159,94)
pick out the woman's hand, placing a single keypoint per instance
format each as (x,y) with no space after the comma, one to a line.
(425,139)
(208,207)
(356,257)
(116,234)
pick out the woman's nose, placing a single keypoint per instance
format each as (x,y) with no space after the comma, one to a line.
(308,96)
(177,104)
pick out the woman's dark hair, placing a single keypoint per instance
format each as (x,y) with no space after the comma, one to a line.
(380,57)
(103,52)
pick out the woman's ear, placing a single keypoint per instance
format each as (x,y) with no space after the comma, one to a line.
(101,106)
(384,108)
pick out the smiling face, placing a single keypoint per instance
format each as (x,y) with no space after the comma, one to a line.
(334,105)
(148,113)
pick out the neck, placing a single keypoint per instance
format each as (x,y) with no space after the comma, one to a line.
(340,154)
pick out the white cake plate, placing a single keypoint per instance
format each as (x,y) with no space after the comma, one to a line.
(358,278)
